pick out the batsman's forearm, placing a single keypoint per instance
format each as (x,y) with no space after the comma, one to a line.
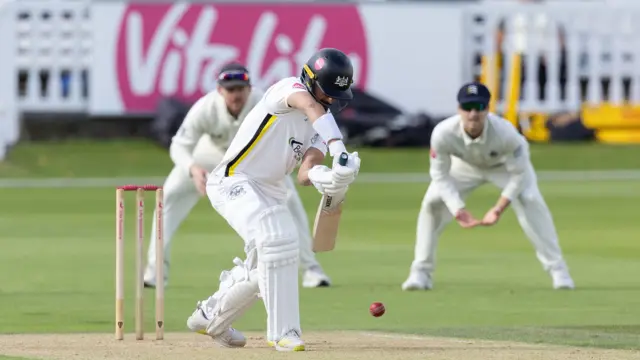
(328,129)
(303,176)
(311,158)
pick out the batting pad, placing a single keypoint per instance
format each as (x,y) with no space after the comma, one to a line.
(278,271)
(237,293)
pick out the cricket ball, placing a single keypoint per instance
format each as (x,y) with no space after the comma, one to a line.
(377,309)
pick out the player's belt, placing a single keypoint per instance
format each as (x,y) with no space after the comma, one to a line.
(266,123)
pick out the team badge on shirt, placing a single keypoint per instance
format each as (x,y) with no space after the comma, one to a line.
(236,192)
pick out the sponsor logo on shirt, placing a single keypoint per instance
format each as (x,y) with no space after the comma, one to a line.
(296,146)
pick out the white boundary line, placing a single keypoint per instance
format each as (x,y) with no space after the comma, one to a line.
(371,178)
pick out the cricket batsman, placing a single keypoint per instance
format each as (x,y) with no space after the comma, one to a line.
(291,125)
(468,150)
(198,147)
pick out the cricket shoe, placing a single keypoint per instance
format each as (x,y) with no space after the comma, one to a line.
(290,342)
(562,280)
(418,280)
(150,276)
(315,277)
(199,320)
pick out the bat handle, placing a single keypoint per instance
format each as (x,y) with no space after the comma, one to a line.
(344,157)
(342,160)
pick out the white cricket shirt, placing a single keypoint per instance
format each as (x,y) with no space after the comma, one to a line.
(209,115)
(271,141)
(500,144)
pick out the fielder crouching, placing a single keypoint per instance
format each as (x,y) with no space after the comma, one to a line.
(468,150)
(198,147)
(290,126)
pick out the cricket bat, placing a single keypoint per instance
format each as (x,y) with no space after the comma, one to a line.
(325,227)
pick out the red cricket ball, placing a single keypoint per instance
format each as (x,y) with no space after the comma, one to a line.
(377,309)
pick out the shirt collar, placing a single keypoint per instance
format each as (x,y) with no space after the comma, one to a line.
(480,139)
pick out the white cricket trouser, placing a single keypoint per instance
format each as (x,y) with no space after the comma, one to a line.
(269,231)
(181,195)
(530,208)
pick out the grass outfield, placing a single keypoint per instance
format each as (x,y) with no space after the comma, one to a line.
(128,158)
(58,261)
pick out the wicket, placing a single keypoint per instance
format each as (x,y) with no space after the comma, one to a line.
(159,305)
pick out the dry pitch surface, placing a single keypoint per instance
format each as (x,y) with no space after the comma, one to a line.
(320,345)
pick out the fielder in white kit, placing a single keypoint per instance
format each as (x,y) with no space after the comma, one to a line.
(290,126)
(468,150)
(198,147)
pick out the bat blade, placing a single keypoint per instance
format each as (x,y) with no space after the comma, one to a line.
(325,227)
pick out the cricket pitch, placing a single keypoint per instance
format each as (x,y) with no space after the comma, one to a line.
(320,345)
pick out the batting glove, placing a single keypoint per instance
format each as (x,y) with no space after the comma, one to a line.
(336,189)
(345,175)
(320,176)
